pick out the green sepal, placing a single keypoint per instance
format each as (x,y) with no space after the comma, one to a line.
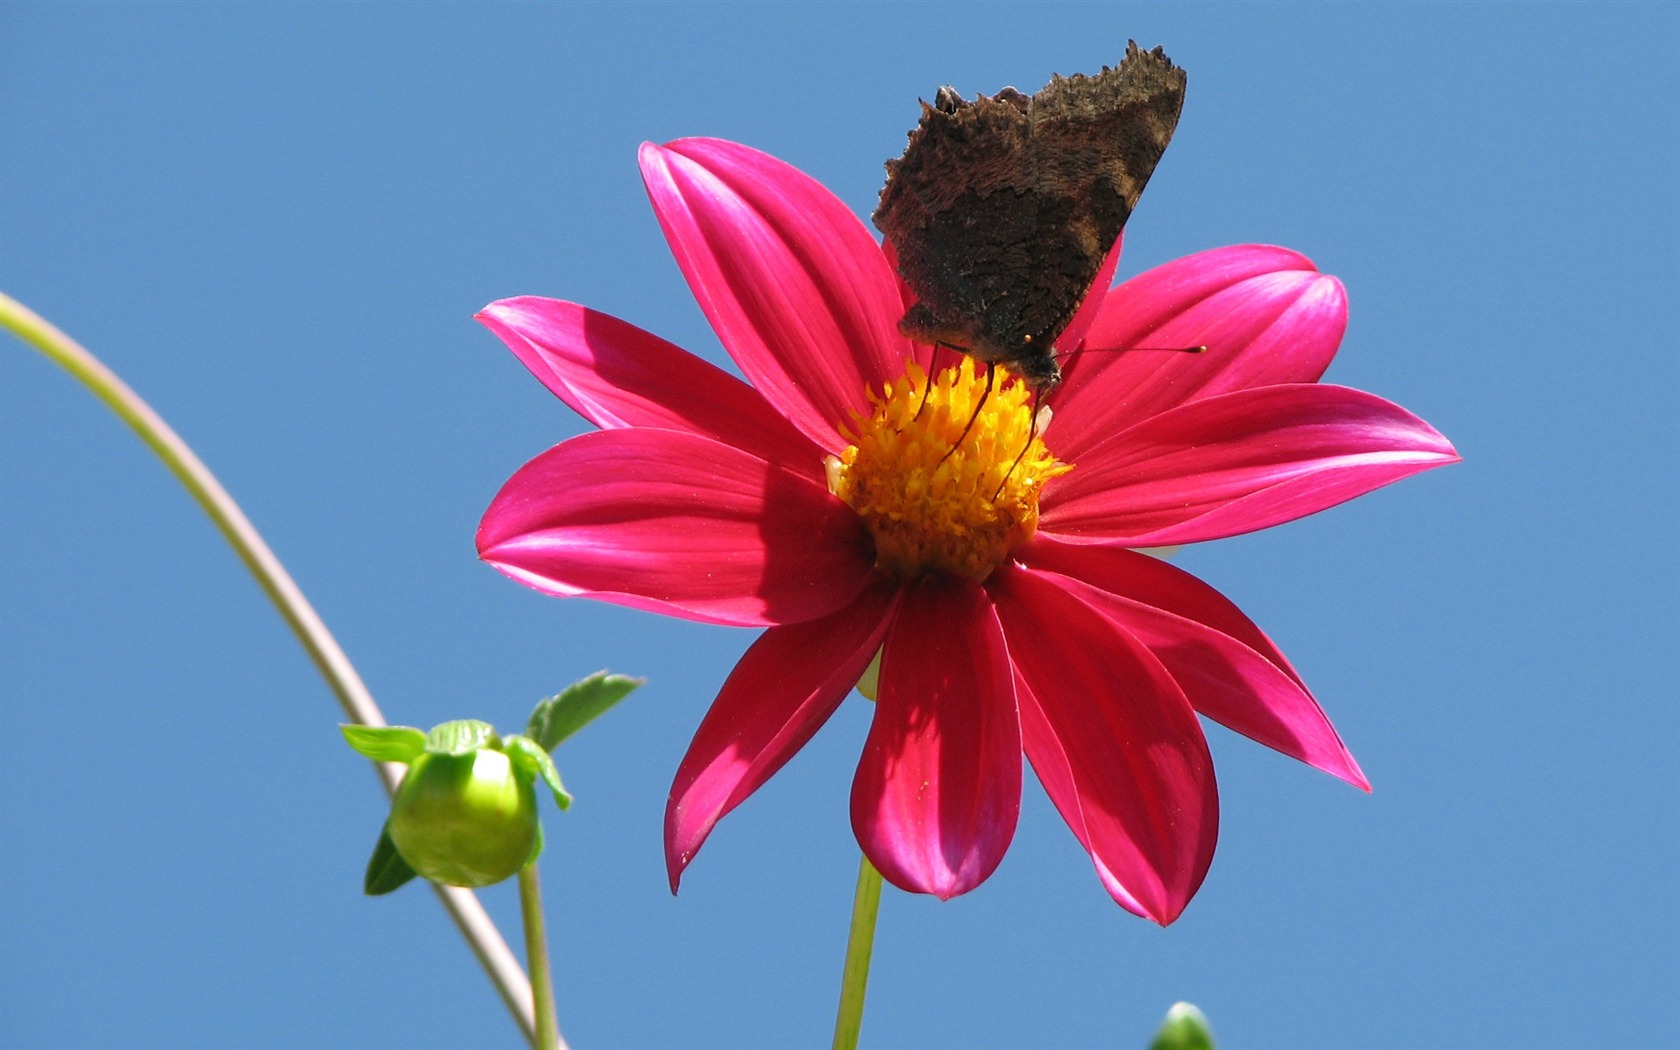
(558,717)
(536,848)
(461,737)
(386,869)
(1186,1028)
(529,757)
(385,743)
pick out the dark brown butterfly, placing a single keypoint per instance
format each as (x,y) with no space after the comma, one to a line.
(1002,209)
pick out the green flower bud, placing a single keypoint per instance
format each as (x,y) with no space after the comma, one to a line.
(465,820)
(1186,1028)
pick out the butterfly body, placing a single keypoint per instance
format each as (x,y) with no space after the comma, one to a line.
(1001,210)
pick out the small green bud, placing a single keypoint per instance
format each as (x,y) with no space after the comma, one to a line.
(1185,1028)
(465,819)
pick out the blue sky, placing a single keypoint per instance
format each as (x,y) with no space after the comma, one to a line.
(276,222)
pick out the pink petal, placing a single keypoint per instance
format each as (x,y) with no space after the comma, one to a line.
(1114,742)
(1153,582)
(938,791)
(616,375)
(795,287)
(1264,314)
(782,691)
(1228,669)
(1239,462)
(678,524)
(1055,771)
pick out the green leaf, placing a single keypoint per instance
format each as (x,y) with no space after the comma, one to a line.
(534,762)
(386,869)
(1186,1028)
(461,737)
(385,743)
(558,717)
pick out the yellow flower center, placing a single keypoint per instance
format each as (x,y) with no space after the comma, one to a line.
(935,498)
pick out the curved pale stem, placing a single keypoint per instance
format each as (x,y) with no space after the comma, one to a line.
(463,906)
(854,979)
(536,958)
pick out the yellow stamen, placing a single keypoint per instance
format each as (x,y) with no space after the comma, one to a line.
(934,502)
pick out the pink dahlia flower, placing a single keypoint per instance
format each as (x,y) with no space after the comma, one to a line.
(840,502)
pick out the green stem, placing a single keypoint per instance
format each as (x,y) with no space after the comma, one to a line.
(854,980)
(536,958)
(353,696)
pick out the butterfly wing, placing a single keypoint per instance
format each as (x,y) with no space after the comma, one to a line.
(960,212)
(1002,210)
(1096,140)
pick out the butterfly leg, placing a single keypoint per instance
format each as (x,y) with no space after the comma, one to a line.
(933,371)
(1032,435)
(991,373)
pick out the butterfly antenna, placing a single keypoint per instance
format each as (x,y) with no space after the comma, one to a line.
(1083,349)
(991,371)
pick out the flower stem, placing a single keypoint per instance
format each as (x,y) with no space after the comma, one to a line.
(536,958)
(854,980)
(463,906)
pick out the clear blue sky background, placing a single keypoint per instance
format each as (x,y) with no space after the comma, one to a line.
(276,223)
